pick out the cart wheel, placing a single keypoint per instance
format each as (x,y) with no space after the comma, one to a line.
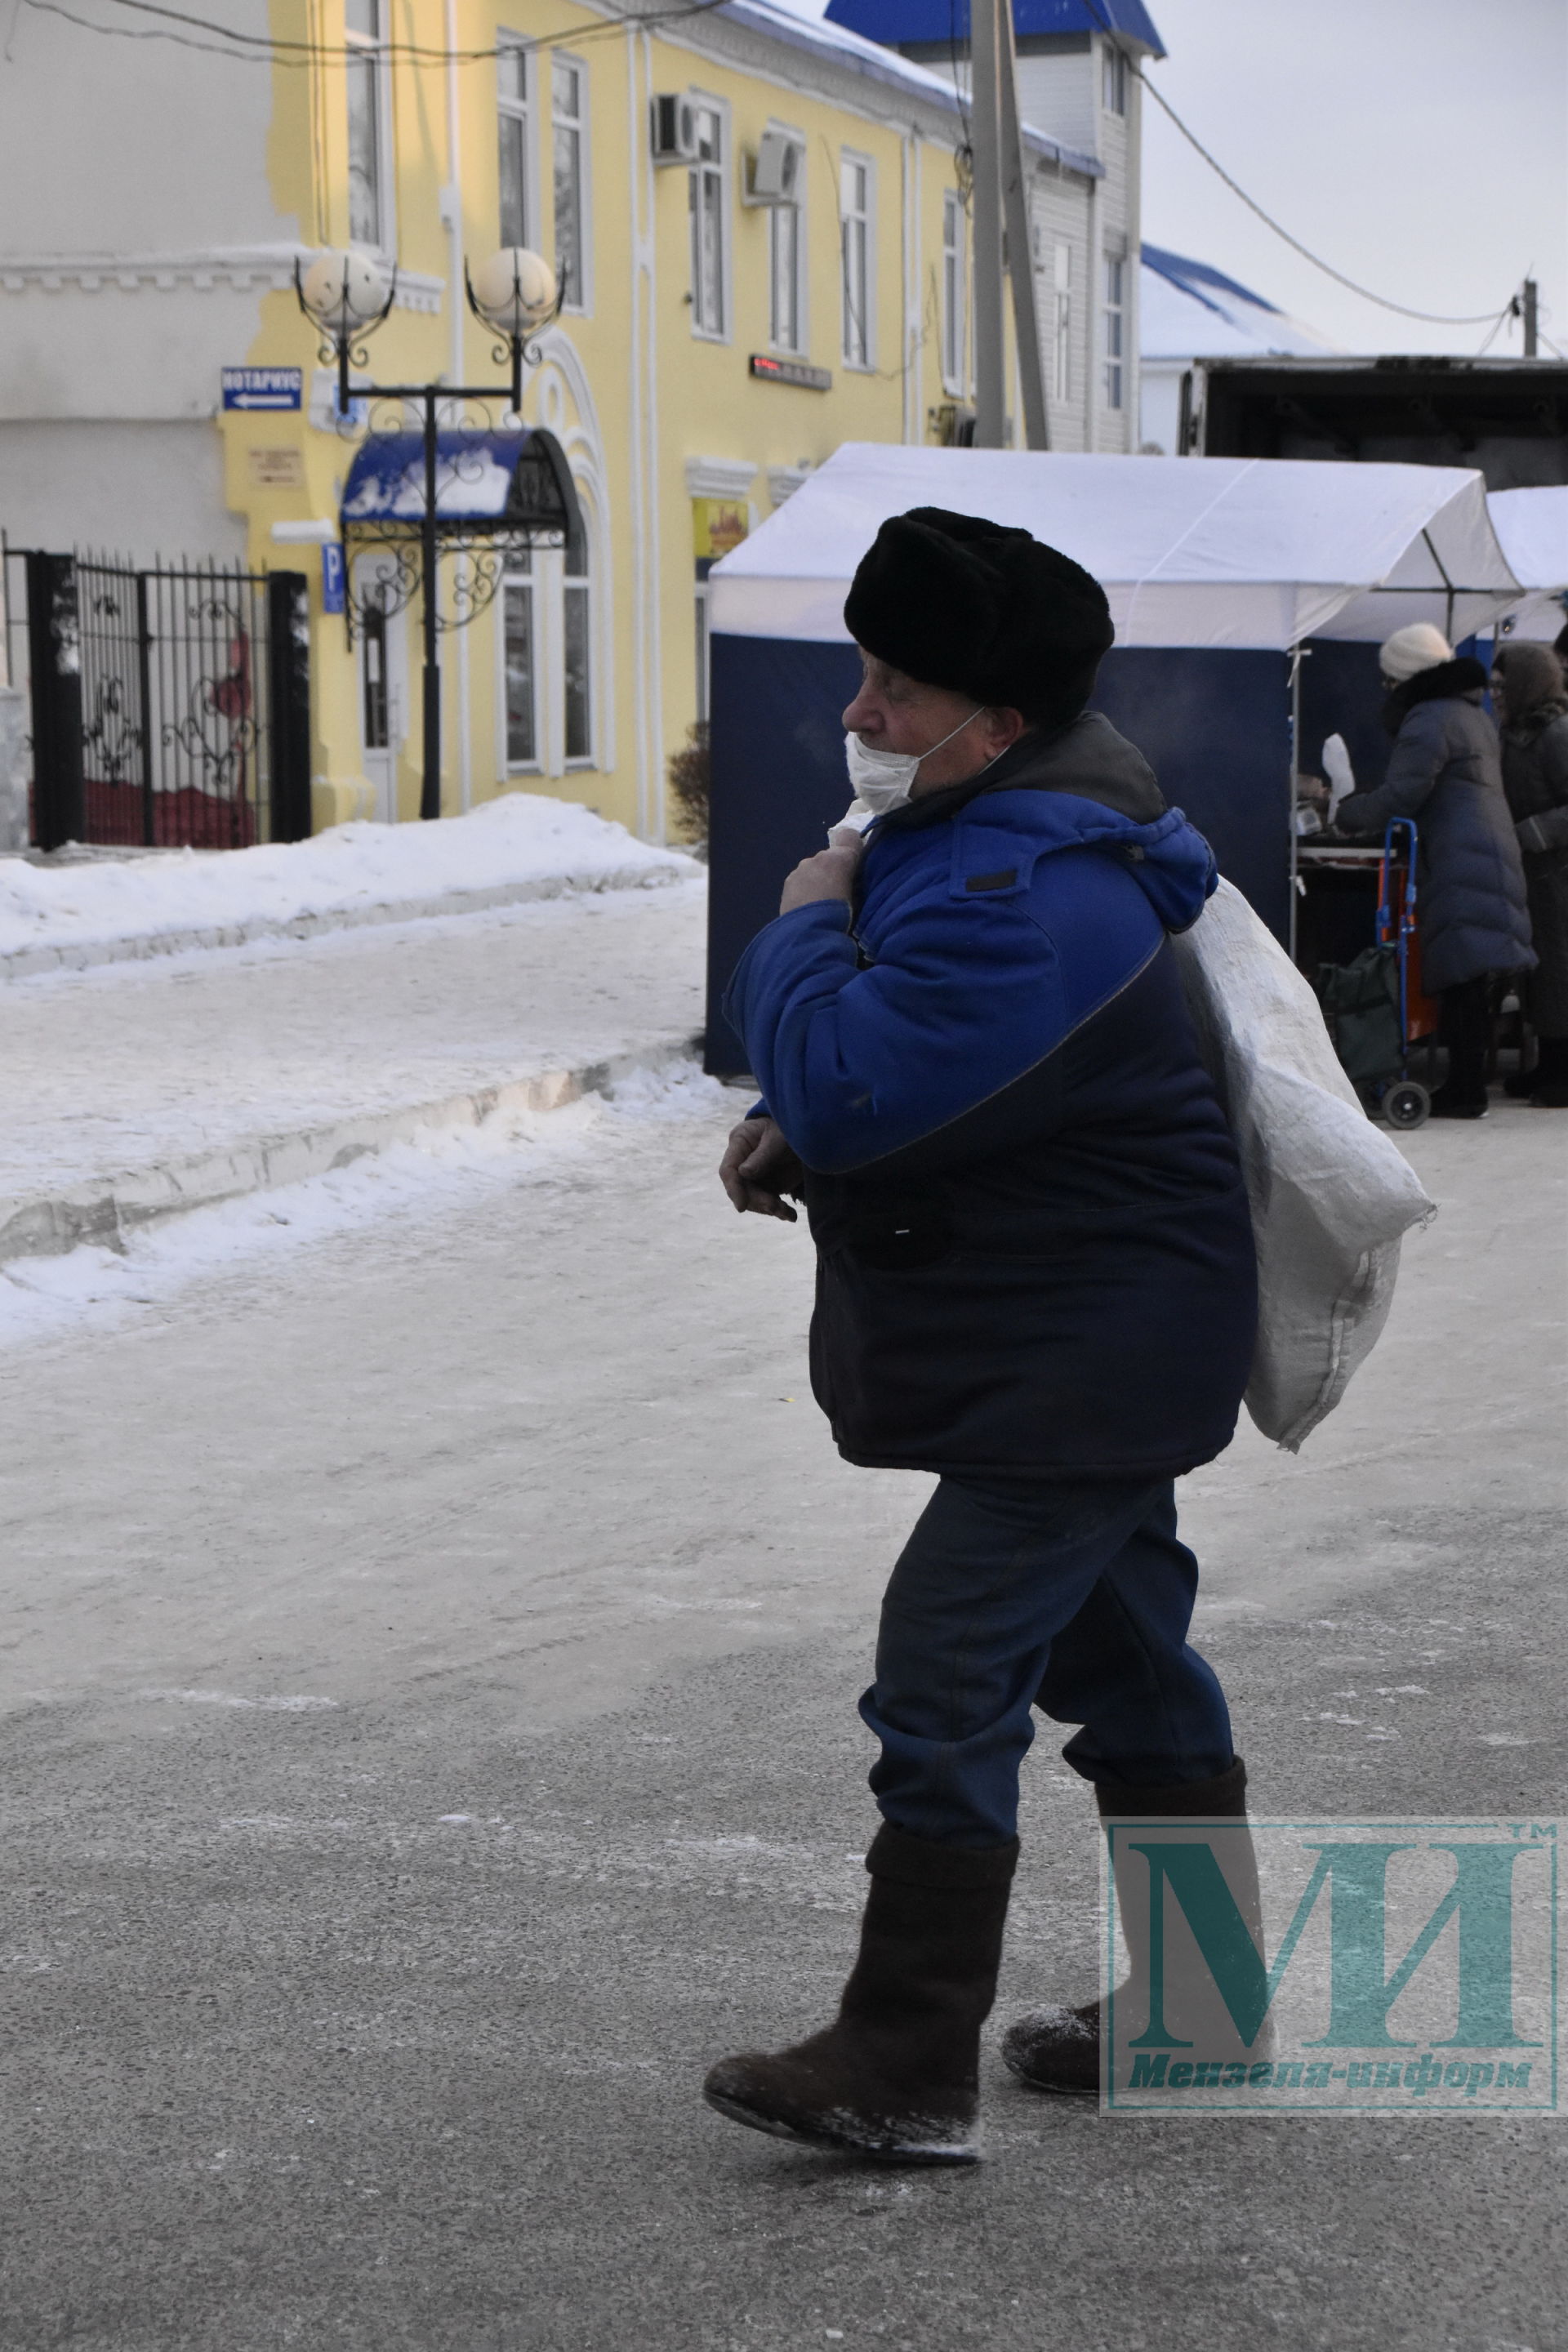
(1406,1103)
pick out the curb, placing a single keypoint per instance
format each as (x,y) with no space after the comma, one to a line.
(23,963)
(104,1208)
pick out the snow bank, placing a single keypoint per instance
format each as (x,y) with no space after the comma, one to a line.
(520,838)
(440,1172)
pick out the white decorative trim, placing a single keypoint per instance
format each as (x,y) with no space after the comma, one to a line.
(785,480)
(720,477)
(236,268)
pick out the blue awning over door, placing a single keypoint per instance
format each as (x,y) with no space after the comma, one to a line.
(505,482)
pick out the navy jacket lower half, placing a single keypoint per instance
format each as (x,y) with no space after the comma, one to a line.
(1035,1256)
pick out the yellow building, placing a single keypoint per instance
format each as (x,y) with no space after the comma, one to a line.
(763,242)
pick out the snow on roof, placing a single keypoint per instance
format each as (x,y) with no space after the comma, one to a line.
(799,27)
(1190,310)
(899,22)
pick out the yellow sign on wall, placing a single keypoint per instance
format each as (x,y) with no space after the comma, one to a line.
(718,525)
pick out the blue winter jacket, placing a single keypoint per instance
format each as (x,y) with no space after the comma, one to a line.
(1035,1257)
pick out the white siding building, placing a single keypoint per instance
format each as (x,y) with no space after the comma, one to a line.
(1078,85)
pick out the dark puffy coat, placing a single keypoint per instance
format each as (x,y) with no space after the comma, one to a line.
(1535,778)
(1035,1255)
(1444,771)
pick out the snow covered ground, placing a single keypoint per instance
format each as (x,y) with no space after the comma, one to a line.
(521,839)
(443,1172)
(134,1066)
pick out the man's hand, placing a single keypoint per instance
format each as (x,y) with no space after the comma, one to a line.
(829,874)
(758,1168)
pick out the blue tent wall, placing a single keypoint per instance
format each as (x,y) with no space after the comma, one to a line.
(1342,694)
(1215,727)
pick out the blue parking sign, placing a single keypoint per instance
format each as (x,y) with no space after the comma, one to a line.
(333,577)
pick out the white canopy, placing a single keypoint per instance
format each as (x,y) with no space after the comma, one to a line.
(1532,526)
(1217,552)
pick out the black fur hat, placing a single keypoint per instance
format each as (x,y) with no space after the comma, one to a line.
(987,610)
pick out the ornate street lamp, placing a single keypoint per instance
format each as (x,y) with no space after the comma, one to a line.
(347,296)
(516,294)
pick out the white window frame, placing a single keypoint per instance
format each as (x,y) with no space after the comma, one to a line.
(520,110)
(1114,76)
(582,307)
(862,362)
(548,583)
(954,289)
(1114,333)
(802,342)
(581,583)
(1062,321)
(717,173)
(371,46)
(529,582)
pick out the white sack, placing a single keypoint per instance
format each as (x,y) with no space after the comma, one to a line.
(1331,1193)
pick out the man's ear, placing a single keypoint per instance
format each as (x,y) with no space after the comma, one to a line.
(1004,725)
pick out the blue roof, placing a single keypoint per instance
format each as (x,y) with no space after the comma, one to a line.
(1192,277)
(878,62)
(897,23)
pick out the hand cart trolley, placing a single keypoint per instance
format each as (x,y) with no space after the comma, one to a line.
(1374,1006)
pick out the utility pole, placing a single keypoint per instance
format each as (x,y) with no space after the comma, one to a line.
(985,139)
(1531,321)
(1020,243)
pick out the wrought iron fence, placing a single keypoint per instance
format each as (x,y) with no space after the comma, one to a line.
(170,703)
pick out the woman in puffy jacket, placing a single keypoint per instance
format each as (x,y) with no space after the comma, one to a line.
(1445,771)
(1531,703)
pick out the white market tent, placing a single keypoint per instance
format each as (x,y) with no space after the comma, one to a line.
(1532,526)
(1221,553)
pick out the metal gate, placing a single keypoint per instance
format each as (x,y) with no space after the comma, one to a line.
(170,705)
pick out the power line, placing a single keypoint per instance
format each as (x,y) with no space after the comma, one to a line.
(1429,318)
(260,49)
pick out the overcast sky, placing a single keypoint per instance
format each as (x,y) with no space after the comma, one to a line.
(1421,146)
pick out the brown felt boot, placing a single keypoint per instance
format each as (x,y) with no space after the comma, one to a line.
(896,2078)
(1058,2049)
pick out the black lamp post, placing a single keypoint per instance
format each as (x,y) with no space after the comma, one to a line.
(347,296)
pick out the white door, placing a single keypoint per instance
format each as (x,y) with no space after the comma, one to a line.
(382,697)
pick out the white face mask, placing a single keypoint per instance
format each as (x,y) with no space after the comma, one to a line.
(884,780)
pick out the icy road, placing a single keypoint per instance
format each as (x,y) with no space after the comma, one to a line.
(433,1620)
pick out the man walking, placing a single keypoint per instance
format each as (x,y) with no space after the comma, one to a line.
(1036,1277)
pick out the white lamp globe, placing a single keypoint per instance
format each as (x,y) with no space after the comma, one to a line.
(344,290)
(514,290)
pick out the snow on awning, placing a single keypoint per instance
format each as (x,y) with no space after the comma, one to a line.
(486,483)
(1215,551)
(1532,526)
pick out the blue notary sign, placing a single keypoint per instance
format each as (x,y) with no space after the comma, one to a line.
(262,387)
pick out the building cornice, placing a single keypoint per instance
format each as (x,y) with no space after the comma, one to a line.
(228,268)
(871,80)
(720,477)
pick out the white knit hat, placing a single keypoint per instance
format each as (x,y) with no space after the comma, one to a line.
(1418,647)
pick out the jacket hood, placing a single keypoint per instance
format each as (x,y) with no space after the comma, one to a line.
(1172,861)
(1084,787)
(1086,758)
(1458,680)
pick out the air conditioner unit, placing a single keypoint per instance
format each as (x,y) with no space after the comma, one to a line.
(673,129)
(952,425)
(777,172)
